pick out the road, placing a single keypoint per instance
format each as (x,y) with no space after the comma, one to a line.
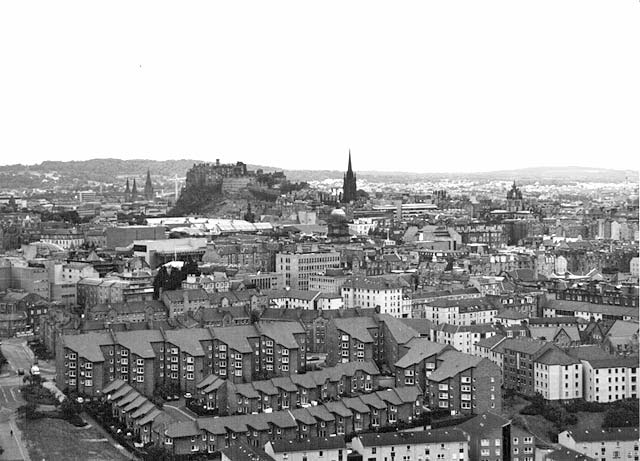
(18,356)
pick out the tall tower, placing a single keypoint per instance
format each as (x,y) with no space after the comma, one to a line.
(349,185)
(148,188)
(134,191)
(127,192)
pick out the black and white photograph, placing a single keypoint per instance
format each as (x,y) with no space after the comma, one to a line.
(319,231)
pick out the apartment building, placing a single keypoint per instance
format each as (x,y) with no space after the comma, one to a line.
(185,300)
(449,444)
(313,449)
(470,311)
(464,384)
(463,337)
(298,267)
(182,357)
(368,292)
(356,339)
(606,377)
(494,438)
(558,376)
(603,444)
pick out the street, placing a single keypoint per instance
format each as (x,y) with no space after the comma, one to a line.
(19,356)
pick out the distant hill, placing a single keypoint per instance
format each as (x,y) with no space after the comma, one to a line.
(78,173)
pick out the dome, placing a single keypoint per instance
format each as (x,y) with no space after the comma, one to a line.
(338,212)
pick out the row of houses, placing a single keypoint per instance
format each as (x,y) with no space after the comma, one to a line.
(146,359)
(210,434)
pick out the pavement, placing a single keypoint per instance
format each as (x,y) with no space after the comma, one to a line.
(11,438)
(18,356)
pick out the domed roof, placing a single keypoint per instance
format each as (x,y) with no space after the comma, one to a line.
(338,212)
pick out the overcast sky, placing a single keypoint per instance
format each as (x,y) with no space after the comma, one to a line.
(426,86)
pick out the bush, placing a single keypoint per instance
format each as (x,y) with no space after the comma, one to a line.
(623,413)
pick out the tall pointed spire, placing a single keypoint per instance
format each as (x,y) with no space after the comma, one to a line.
(127,191)
(134,191)
(349,185)
(148,188)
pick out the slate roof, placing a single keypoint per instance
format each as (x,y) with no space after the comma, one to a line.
(236,337)
(139,342)
(188,340)
(357,327)
(555,356)
(338,408)
(308,445)
(482,424)
(420,349)
(87,345)
(603,435)
(401,332)
(410,438)
(453,362)
(282,333)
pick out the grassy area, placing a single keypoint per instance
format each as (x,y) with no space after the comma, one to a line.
(540,426)
(53,439)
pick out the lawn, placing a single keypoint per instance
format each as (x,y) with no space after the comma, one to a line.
(55,439)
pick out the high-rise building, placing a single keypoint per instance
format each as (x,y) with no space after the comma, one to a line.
(349,186)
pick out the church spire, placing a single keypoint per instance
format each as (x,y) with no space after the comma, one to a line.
(134,191)
(148,187)
(349,185)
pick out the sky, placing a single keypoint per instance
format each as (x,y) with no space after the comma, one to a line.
(422,86)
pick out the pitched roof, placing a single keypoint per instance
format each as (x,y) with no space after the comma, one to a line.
(338,408)
(555,356)
(410,438)
(401,332)
(419,349)
(236,337)
(483,423)
(139,342)
(373,401)
(303,415)
(597,435)
(282,333)
(308,445)
(453,362)
(357,327)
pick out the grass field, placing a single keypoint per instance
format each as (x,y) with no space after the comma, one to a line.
(55,439)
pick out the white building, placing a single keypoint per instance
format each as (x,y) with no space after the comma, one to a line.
(633,267)
(610,379)
(558,376)
(311,449)
(463,338)
(611,444)
(434,444)
(297,267)
(370,293)
(461,311)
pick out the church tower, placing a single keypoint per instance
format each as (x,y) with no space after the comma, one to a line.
(514,199)
(349,185)
(148,188)
(127,192)
(134,191)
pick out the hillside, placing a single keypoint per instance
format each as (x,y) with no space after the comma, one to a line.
(79,173)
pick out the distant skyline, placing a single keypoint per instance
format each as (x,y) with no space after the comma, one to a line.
(461,86)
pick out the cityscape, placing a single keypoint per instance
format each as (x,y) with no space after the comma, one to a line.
(344,230)
(238,314)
